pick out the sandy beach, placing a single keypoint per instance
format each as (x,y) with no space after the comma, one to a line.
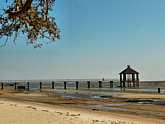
(25,113)
(82,62)
(42,108)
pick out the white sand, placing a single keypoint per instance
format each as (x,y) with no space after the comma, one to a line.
(32,113)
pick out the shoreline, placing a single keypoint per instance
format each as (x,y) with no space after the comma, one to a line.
(57,114)
(74,111)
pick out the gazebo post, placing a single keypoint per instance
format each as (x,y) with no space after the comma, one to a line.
(133,80)
(124,80)
(121,80)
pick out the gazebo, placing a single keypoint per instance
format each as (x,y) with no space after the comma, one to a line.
(129,76)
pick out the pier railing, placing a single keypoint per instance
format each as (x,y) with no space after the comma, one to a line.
(93,85)
(39,85)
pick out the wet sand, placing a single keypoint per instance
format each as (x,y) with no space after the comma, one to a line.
(50,108)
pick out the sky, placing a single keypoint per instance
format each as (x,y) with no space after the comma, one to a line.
(99,38)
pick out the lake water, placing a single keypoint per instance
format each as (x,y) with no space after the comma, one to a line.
(83,87)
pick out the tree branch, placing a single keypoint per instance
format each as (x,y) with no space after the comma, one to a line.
(24,9)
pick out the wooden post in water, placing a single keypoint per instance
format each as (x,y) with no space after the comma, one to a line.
(111,84)
(158,90)
(40,85)
(28,88)
(77,83)
(15,86)
(88,83)
(100,84)
(64,85)
(1,86)
(53,84)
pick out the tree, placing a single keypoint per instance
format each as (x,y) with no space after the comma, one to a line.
(31,18)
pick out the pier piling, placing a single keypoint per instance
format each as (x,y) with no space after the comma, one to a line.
(64,85)
(77,83)
(111,84)
(158,90)
(15,86)
(53,83)
(40,85)
(28,88)
(88,83)
(1,86)
(100,84)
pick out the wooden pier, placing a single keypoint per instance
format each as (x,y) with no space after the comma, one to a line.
(78,85)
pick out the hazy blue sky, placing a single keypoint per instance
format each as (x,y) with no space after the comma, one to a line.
(98,39)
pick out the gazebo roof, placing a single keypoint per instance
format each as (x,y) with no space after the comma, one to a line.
(129,70)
